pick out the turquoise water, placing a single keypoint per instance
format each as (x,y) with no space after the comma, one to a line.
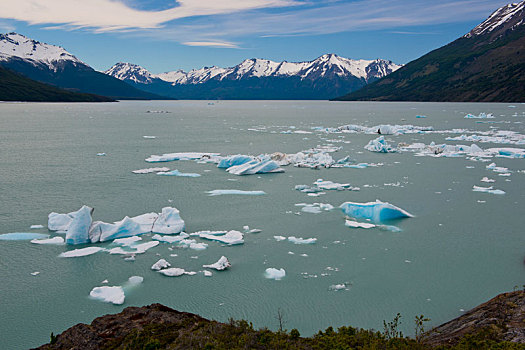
(456,253)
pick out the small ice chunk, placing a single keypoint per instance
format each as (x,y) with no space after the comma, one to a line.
(55,240)
(275,274)
(143,247)
(81,252)
(300,240)
(105,282)
(170,239)
(169,157)
(128,241)
(35,273)
(161,264)
(487,190)
(279,238)
(21,236)
(340,286)
(231,237)
(101,154)
(236,192)
(207,273)
(376,211)
(222,264)
(150,170)
(230,161)
(114,295)
(36,226)
(486,179)
(135,280)
(177,173)
(149,137)
(256,166)
(355,224)
(173,272)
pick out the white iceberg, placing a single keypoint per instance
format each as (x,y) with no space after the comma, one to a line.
(161,264)
(60,222)
(487,190)
(274,274)
(340,286)
(22,236)
(232,237)
(177,173)
(81,252)
(114,295)
(173,272)
(170,239)
(355,224)
(150,170)
(300,240)
(380,145)
(376,211)
(36,226)
(314,208)
(330,185)
(279,238)
(55,240)
(168,222)
(220,265)
(235,192)
(179,156)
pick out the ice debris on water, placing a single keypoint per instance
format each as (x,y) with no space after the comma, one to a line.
(314,208)
(300,240)
(355,224)
(490,190)
(101,154)
(486,179)
(55,240)
(107,294)
(36,273)
(340,286)
(81,252)
(380,145)
(259,165)
(235,192)
(376,211)
(279,238)
(231,237)
(179,156)
(175,272)
(36,226)
(275,274)
(384,129)
(150,170)
(161,264)
(324,185)
(222,264)
(21,236)
(177,173)
(479,116)
(170,238)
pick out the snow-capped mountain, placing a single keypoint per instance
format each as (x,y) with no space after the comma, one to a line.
(507,17)
(16,45)
(324,66)
(54,65)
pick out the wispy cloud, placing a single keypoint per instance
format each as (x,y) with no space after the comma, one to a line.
(112,15)
(211,44)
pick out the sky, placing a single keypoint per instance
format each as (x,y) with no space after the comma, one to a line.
(167,35)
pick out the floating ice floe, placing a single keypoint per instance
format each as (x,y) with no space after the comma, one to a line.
(22,236)
(279,238)
(385,129)
(175,272)
(314,208)
(376,211)
(238,159)
(497,169)
(274,274)
(300,240)
(134,248)
(36,226)
(487,190)
(231,237)
(355,224)
(149,137)
(222,264)
(479,116)
(443,150)
(170,238)
(207,273)
(192,244)
(161,264)
(81,252)
(259,165)
(248,230)
(340,286)
(107,294)
(487,180)
(101,154)
(150,170)
(380,145)
(235,192)
(55,240)
(177,173)
(36,273)
(179,156)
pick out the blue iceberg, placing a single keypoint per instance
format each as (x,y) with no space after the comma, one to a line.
(178,173)
(78,230)
(376,211)
(230,161)
(22,236)
(256,166)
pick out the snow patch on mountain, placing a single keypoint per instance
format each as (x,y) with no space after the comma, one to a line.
(20,46)
(498,18)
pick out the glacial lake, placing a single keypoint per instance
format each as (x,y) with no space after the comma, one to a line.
(461,248)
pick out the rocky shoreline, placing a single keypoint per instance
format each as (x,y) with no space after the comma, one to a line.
(499,322)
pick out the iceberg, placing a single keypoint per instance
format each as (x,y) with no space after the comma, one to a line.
(78,230)
(170,239)
(81,252)
(36,226)
(177,173)
(486,179)
(235,192)
(228,237)
(380,145)
(174,272)
(230,161)
(274,274)
(279,238)
(128,241)
(55,240)
(114,295)
(487,190)
(150,170)
(314,208)
(220,265)
(479,116)
(179,156)
(60,222)
(376,211)
(300,240)
(330,185)
(259,165)
(169,222)
(21,236)
(355,224)
(102,231)
(340,286)
(161,264)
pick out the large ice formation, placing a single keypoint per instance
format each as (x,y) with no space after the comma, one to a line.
(380,145)
(78,230)
(376,211)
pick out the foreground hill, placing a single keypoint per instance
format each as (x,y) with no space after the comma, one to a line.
(488,326)
(53,65)
(15,87)
(323,78)
(485,65)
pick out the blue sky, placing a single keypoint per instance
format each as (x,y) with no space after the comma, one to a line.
(165,35)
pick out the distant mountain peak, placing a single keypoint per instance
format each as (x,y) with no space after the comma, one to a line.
(14,45)
(506,17)
(130,71)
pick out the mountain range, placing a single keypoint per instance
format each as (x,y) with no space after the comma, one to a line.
(55,66)
(485,65)
(323,78)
